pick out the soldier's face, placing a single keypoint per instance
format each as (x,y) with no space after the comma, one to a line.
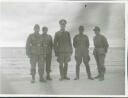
(62,26)
(45,30)
(81,30)
(96,32)
(36,28)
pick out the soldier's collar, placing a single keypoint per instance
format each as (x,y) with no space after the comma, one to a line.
(81,34)
(36,34)
(98,35)
(44,34)
(62,30)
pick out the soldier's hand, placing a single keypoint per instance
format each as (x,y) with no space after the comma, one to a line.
(29,55)
(106,50)
(94,52)
(71,54)
(56,54)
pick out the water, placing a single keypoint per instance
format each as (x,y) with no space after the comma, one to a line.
(15,57)
(115,56)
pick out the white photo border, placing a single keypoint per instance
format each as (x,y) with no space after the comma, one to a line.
(126,49)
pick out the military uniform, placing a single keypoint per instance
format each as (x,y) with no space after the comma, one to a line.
(81,45)
(47,52)
(63,50)
(100,50)
(33,51)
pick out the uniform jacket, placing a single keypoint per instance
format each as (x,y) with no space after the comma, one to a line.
(81,43)
(62,43)
(46,44)
(101,44)
(33,45)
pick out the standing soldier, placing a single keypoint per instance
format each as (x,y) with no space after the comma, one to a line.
(33,51)
(47,51)
(100,50)
(81,45)
(63,49)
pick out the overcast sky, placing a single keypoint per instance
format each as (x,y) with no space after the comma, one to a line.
(18,20)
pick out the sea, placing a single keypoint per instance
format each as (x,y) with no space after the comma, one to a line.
(15,59)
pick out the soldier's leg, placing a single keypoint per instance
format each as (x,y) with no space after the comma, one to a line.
(98,65)
(66,60)
(86,60)
(102,67)
(33,61)
(78,62)
(60,60)
(48,66)
(65,71)
(41,64)
(61,71)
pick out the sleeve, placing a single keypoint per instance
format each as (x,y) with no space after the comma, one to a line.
(70,42)
(94,41)
(51,43)
(74,42)
(56,44)
(106,45)
(87,42)
(94,51)
(28,46)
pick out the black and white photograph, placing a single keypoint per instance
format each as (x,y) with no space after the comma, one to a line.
(62,48)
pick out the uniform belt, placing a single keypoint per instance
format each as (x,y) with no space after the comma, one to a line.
(99,47)
(37,45)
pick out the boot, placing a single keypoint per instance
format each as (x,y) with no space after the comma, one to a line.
(33,72)
(65,72)
(90,78)
(48,77)
(101,78)
(33,79)
(61,73)
(102,75)
(88,72)
(42,80)
(66,78)
(77,72)
(76,78)
(97,77)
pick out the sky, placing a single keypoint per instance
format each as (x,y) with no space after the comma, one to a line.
(17,20)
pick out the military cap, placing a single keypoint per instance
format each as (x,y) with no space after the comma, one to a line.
(36,26)
(81,27)
(44,27)
(96,28)
(62,21)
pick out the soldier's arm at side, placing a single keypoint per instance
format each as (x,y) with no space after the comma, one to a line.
(28,46)
(74,42)
(94,51)
(70,43)
(106,45)
(51,43)
(88,42)
(56,45)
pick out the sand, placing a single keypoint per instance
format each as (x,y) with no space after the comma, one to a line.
(112,85)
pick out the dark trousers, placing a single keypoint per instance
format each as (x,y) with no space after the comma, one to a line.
(100,59)
(34,60)
(85,59)
(48,63)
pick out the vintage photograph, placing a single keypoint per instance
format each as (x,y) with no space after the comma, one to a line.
(62,48)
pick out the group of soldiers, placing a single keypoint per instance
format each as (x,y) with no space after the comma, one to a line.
(39,50)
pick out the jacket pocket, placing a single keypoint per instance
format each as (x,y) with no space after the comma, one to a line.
(101,51)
